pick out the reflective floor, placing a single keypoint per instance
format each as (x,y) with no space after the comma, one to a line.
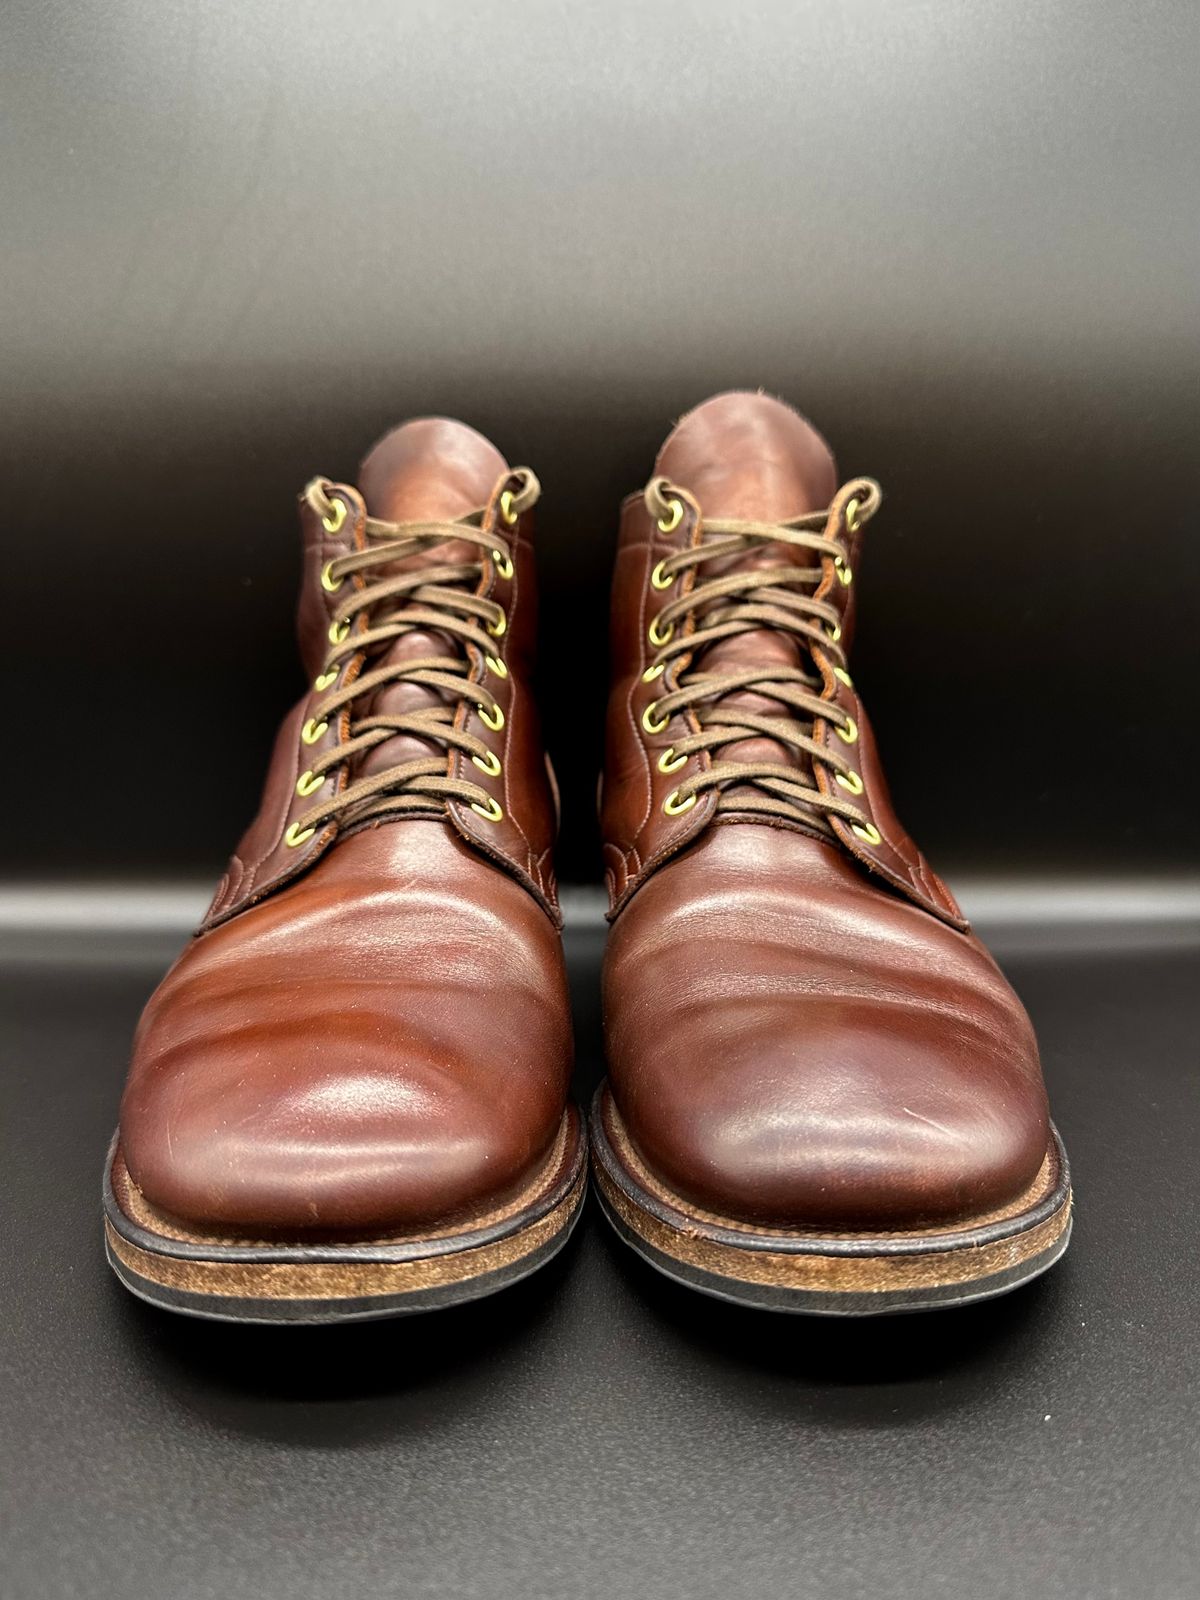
(597,1431)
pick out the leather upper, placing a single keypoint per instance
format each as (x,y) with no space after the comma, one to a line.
(371,1032)
(801,1030)
(429,468)
(383,1043)
(786,470)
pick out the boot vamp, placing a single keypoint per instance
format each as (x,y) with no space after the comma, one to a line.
(382,1045)
(789,1043)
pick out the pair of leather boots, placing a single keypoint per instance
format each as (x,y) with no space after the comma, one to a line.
(349,1096)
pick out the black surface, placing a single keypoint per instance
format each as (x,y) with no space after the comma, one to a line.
(241,240)
(597,1431)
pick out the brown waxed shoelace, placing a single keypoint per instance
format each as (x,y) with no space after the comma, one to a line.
(750,601)
(435,598)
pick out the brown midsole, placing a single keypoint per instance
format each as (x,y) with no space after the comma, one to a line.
(333,1281)
(690,1238)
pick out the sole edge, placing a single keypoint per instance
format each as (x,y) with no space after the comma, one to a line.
(327,1284)
(855,1276)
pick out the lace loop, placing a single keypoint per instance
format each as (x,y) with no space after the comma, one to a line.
(527,496)
(765,595)
(661,499)
(441,596)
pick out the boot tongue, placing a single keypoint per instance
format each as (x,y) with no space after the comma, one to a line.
(752,457)
(433,469)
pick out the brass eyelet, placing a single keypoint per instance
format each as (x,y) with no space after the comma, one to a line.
(312,730)
(338,630)
(674,806)
(845,573)
(658,579)
(491,766)
(296,836)
(648,721)
(506,508)
(843,676)
(498,631)
(673,518)
(491,812)
(850,781)
(308,783)
(659,636)
(870,834)
(486,718)
(502,564)
(852,515)
(326,680)
(494,664)
(654,672)
(848,734)
(833,632)
(328,582)
(332,521)
(669,761)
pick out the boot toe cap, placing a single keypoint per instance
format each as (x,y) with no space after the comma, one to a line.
(841,1121)
(383,1145)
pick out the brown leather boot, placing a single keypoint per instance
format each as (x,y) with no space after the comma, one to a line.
(823,1095)
(348,1098)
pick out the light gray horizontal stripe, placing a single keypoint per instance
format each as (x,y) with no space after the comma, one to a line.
(166,908)
(174,909)
(1002,902)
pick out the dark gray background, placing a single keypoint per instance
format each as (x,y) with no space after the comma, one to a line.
(237,242)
